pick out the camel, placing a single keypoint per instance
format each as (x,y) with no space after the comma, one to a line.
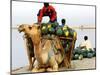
(43,49)
(30,49)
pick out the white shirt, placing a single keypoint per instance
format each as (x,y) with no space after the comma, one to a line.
(87,44)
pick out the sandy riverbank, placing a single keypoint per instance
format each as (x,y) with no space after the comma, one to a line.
(86,63)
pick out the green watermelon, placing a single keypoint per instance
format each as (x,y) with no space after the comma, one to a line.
(66,33)
(80,57)
(78,51)
(94,53)
(51,30)
(89,55)
(44,30)
(84,53)
(49,26)
(59,32)
(90,51)
(54,25)
(76,56)
(65,28)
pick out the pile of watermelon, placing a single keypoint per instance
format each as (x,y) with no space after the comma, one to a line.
(78,53)
(56,29)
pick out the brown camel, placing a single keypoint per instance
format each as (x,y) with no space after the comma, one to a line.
(44,55)
(30,49)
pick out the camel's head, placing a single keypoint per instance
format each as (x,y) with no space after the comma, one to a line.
(32,31)
(24,28)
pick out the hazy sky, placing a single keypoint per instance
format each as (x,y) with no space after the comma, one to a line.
(26,12)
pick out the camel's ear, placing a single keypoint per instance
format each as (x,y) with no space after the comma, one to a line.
(38,26)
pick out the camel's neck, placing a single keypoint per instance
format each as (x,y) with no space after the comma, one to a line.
(37,48)
(37,45)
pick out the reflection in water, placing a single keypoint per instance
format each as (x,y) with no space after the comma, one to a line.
(19,55)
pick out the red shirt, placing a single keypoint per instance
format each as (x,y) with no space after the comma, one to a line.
(47,11)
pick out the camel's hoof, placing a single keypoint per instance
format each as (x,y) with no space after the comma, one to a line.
(42,70)
(49,69)
(68,66)
(38,70)
(34,70)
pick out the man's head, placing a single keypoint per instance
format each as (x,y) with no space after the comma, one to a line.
(63,21)
(46,4)
(85,37)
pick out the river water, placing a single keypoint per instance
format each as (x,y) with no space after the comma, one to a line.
(19,55)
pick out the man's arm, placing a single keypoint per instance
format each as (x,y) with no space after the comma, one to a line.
(54,15)
(40,15)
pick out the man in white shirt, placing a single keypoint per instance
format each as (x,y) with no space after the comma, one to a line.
(86,44)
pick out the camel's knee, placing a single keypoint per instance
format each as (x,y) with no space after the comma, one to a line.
(55,67)
(53,64)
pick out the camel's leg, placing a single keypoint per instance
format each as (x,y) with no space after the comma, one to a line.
(37,67)
(53,64)
(41,70)
(67,60)
(49,69)
(28,54)
(30,63)
(69,55)
(38,70)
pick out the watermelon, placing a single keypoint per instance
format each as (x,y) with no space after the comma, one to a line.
(90,51)
(94,53)
(80,57)
(84,53)
(78,51)
(44,30)
(51,30)
(59,32)
(49,25)
(89,55)
(76,56)
(66,33)
(65,28)
(54,25)
(75,35)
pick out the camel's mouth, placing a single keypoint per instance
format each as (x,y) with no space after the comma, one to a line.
(20,30)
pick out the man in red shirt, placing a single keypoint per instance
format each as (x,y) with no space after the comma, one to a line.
(47,10)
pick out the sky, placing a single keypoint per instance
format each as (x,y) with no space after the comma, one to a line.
(26,12)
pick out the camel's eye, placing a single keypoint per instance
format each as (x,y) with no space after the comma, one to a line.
(30,28)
